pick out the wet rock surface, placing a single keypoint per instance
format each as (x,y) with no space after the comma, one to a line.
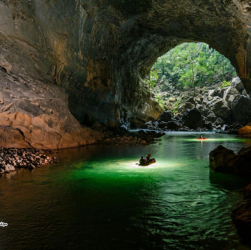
(224,160)
(241,217)
(245,131)
(13,159)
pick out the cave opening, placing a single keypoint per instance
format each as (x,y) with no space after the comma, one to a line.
(189,67)
(196,76)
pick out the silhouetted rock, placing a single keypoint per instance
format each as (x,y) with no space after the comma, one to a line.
(167,116)
(226,161)
(192,119)
(222,160)
(241,217)
(241,109)
(173,125)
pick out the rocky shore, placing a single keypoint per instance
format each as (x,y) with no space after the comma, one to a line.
(140,138)
(13,159)
(213,107)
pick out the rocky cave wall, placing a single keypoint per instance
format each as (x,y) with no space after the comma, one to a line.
(91,56)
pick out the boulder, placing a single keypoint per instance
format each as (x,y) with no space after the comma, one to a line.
(241,217)
(211,117)
(211,92)
(186,106)
(244,92)
(219,107)
(219,92)
(162,125)
(207,124)
(173,125)
(245,130)
(230,91)
(222,160)
(166,116)
(231,99)
(172,99)
(242,164)
(236,83)
(203,110)
(192,119)
(241,109)
(226,161)
(191,100)
(219,122)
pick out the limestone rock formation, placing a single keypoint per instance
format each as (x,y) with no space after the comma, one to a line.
(166,116)
(246,131)
(241,217)
(224,160)
(34,114)
(99,51)
(237,84)
(192,119)
(241,109)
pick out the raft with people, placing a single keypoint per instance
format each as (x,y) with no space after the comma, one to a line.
(147,161)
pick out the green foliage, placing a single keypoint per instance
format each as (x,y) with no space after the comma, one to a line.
(191,65)
(226,84)
(153,77)
(160,101)
(176,106)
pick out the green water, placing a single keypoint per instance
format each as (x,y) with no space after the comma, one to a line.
(97,198)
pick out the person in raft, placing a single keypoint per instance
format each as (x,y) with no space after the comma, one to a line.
(201,137)
(142,161)
(147,159)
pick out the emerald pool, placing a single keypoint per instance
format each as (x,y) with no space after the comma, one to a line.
(96,198)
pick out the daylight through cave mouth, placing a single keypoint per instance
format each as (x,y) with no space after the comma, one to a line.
(194,77)
(191,65)
(187,67)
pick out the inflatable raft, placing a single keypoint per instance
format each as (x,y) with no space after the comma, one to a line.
(151,161)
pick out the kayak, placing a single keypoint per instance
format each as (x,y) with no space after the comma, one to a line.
(201,139)
(148,163)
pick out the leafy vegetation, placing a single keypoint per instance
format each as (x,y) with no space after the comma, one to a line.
(190,65)
(225,84)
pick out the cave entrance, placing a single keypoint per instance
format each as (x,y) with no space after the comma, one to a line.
(192,77)
(188,70)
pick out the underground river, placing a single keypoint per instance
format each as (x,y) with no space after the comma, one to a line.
(96,198)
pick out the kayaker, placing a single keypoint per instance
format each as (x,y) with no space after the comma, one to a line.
(201,137)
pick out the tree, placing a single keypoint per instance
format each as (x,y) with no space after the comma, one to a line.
(192,65)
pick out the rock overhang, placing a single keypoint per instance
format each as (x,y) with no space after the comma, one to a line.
(99,51)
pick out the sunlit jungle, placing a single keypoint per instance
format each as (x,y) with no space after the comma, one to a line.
(125,125)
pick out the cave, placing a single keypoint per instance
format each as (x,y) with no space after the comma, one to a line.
(72,74)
